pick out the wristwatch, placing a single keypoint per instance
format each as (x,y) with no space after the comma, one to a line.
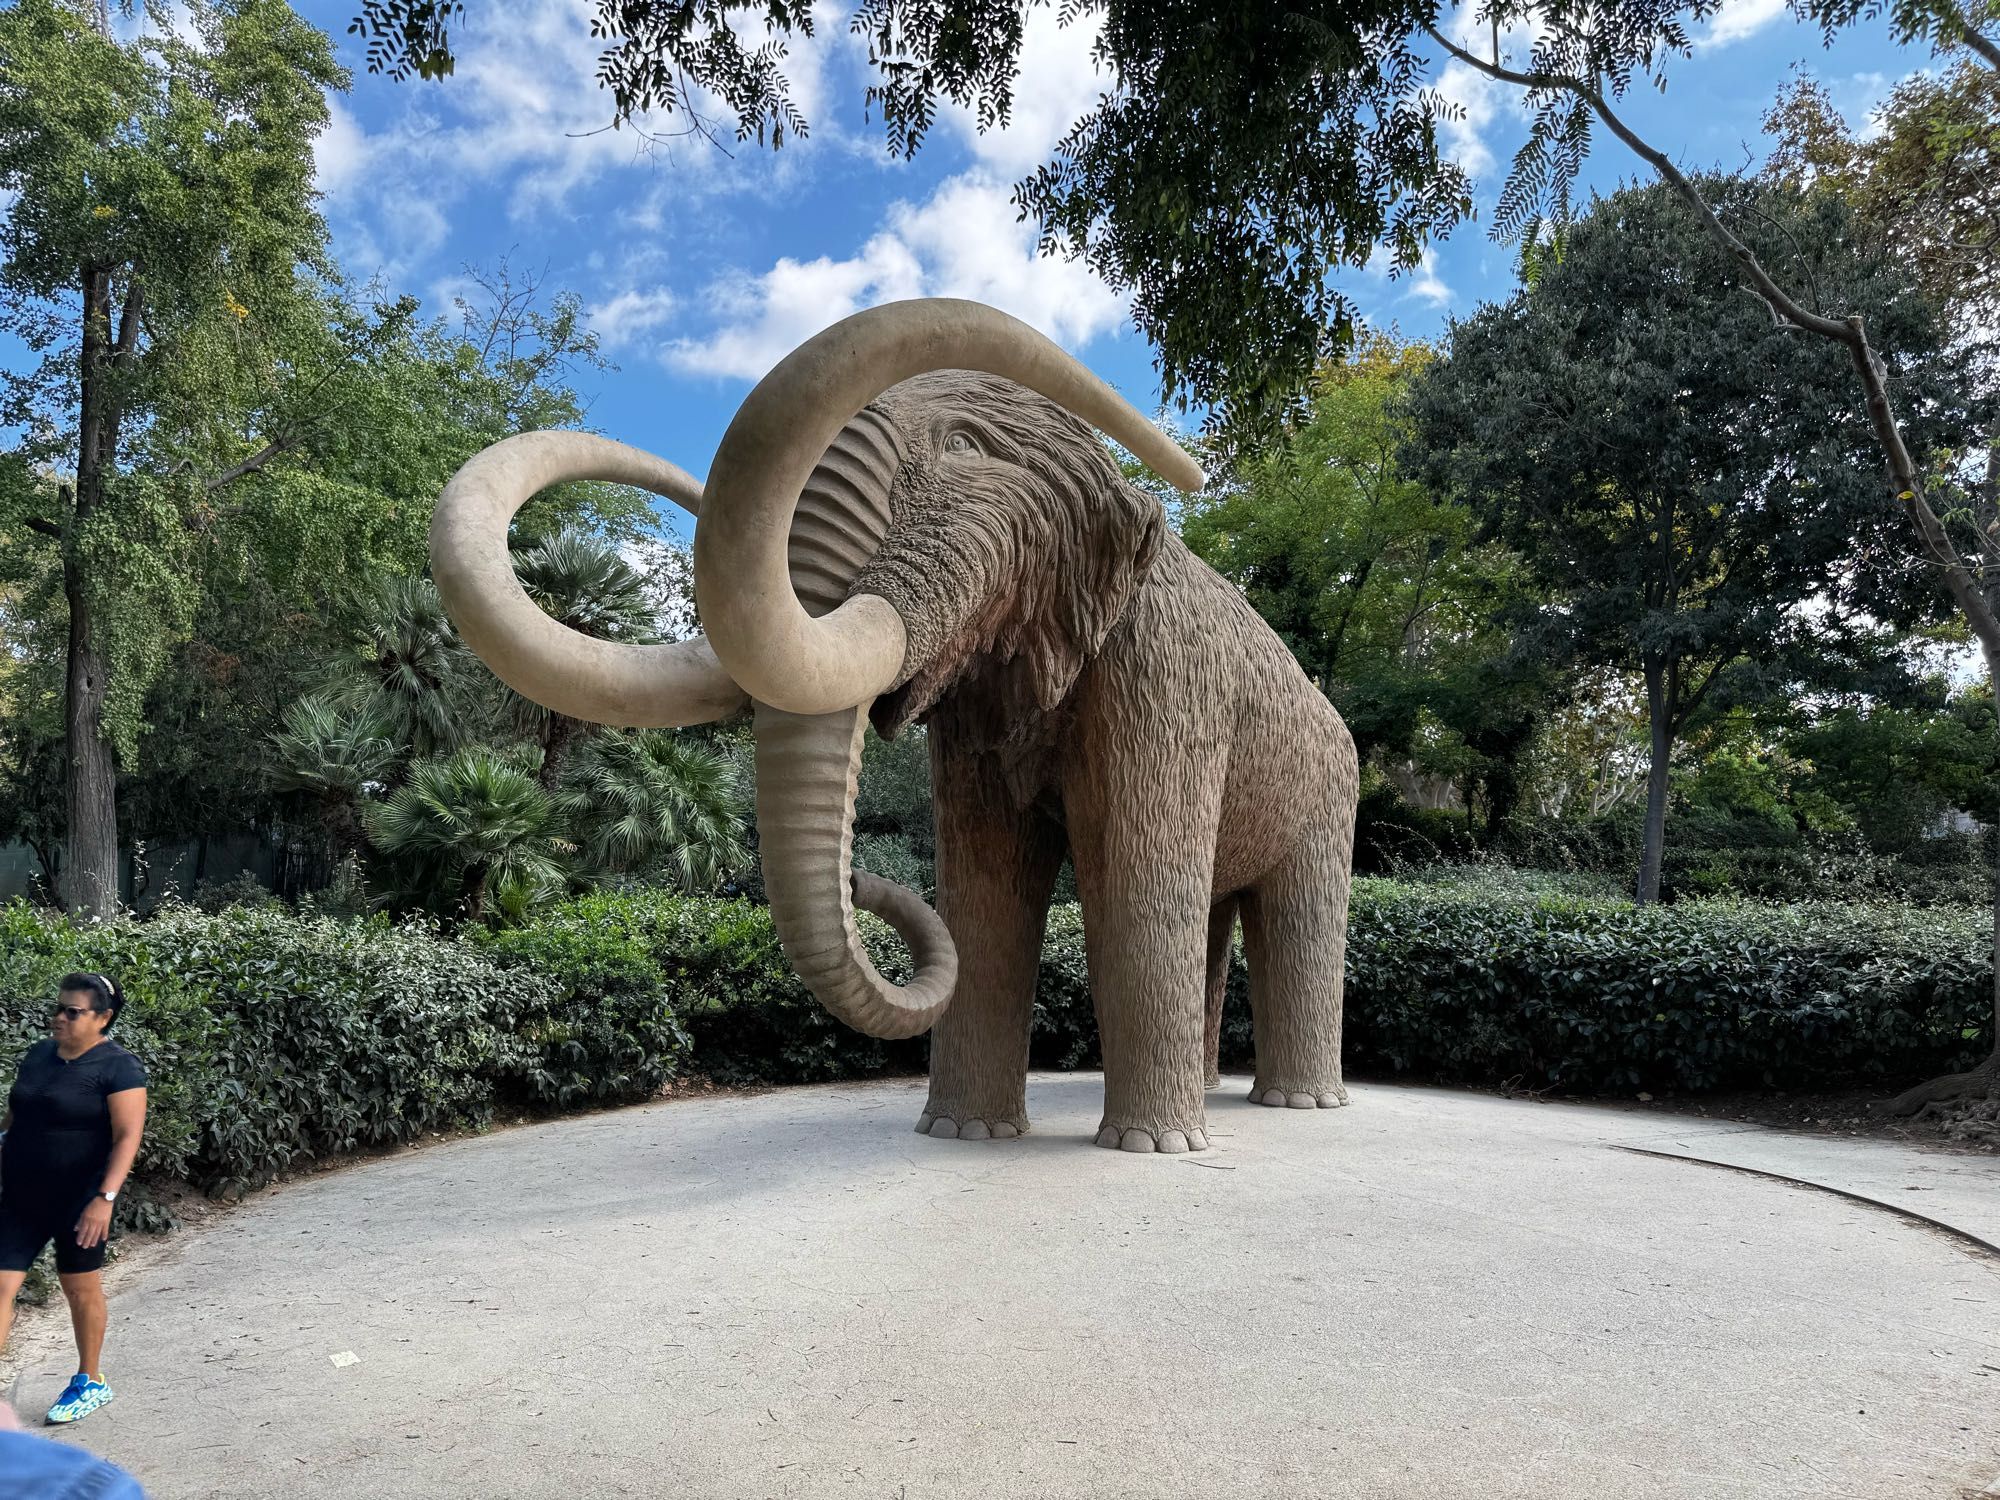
(108,1197)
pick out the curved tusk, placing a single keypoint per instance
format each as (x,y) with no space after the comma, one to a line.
(761,633)
(606,682)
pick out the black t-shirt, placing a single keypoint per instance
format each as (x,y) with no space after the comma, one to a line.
(60,1141)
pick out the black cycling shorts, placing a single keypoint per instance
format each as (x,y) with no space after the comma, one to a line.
(25,1227)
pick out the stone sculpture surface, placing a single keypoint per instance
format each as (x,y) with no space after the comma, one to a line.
(911,518)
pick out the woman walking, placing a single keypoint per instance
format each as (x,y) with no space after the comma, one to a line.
(72,1129)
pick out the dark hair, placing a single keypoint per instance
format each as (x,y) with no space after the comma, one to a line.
(106,996)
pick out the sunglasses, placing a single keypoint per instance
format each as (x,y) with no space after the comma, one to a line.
(75,1012)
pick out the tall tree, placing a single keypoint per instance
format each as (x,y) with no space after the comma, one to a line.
(1692,483)
(151,259)
(1371,576)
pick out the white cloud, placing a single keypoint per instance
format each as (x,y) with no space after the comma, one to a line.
(1427,285)
(1479,100)
(632,313)
(341,151)
(523,119)
(964,241)
(1057,86)
(1738,19)
(765,317)
(1862,97)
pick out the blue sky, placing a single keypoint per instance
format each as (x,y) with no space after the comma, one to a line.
(701,269)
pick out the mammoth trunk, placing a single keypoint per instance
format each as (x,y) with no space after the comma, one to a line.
(807,768)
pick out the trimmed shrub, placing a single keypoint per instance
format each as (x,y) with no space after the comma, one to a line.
(270,1038)
(605,1028)
(665,978)
(1593,995)
(1494,977)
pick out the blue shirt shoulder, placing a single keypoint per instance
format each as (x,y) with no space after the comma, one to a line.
(39,1468)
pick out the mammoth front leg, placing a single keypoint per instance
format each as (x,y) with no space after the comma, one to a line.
(1146,882)
(996,867)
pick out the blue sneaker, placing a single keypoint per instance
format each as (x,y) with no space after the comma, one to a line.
(79,1399)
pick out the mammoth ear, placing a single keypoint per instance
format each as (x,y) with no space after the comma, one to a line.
(1119,532)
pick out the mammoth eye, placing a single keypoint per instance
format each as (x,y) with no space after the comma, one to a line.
(960,442)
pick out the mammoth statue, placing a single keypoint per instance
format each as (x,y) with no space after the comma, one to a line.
(911,518)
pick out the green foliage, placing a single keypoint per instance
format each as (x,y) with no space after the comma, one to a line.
(1504,976)
(652,804)
(1691,484)
(408,671)
(1593,995)
(1219,180)
(336,753)
(748,1017)
(178,169)
(582,582)
(1923,180)
(272,1040)
(469,830)
(1392,835)
(608,1029)
(1894,769)
(1376,581)
(895,830)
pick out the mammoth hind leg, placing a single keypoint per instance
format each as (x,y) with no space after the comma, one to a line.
(1221,928)
(1295,940)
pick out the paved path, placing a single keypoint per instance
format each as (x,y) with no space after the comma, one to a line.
(1426,1295)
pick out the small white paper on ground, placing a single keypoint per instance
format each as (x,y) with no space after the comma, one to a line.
(345,1358)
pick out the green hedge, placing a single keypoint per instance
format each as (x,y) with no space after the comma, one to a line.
(273,1037)
(743,1014)
(1512,978)
(1477,984)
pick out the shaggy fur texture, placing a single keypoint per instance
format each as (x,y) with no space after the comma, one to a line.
(1091,686)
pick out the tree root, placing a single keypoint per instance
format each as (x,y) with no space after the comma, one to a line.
(1982,1082)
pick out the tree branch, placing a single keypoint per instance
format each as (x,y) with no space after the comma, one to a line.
(128,324)
(41,527)
(1848,332)
(273,449)
(1974,40)
(1781,302)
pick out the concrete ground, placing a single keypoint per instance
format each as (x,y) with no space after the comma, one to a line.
(1428,1294)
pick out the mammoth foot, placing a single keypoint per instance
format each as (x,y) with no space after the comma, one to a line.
(946,1128)
(1139,1139)
(1331,1098)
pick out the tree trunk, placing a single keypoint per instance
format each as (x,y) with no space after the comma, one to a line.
(1658,715)
(558,734)
(472,892)
(90,873)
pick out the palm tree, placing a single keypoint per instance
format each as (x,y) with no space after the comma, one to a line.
(583,582)
(337,754)
(410,670)
(650,802)
(471,831)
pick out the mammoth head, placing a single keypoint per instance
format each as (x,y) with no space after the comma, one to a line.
(888,506)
